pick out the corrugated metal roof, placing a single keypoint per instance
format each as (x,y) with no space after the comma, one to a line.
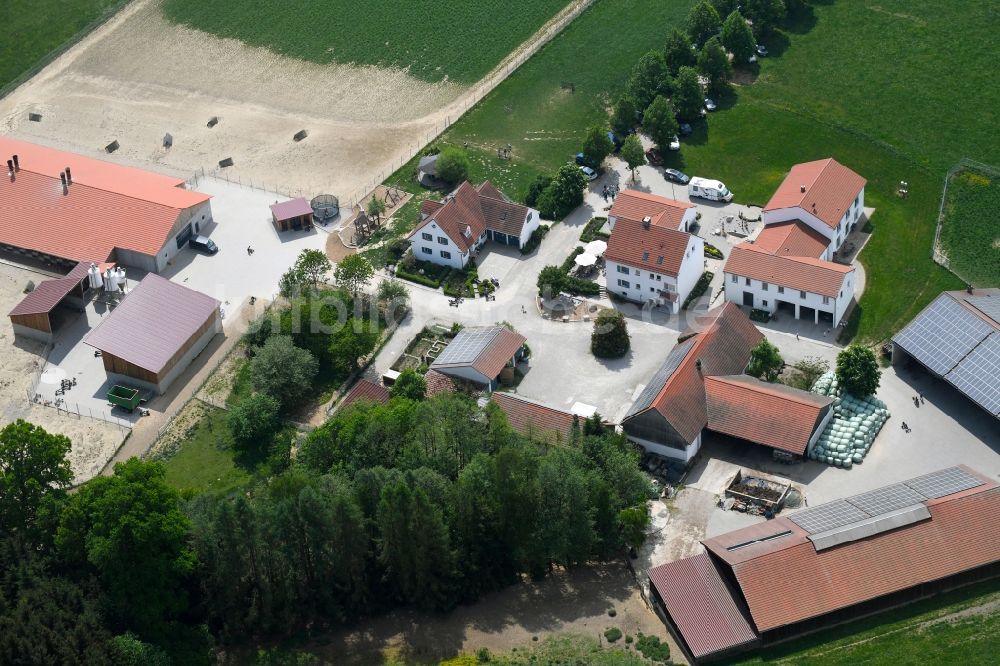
(830,189)
(287,210)
(152,323)
(46,295)
(701,606)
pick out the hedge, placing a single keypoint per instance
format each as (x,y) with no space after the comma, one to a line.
(592,231)
(567,265)
(535,239)
(419,279)
(699,288)
(712,251)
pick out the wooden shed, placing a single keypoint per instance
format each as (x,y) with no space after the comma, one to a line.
(36,315)
(292,214)
(155,333)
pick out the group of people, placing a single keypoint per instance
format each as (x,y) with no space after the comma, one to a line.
(917,401)
(610,192)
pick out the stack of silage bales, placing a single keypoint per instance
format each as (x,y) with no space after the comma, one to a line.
(850,433)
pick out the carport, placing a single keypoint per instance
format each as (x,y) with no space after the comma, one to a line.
(35,316)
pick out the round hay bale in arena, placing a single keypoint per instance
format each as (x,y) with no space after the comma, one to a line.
(325,207)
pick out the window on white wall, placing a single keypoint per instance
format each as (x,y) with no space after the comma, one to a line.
(802,294)
(623,269)
(747,281)
(733,279)
(427,250)
(442,240)
(781,289)
(624,283)
(445,254)
(426,236)
(763,285)
(826,300)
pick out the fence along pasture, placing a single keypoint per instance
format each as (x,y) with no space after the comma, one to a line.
(964,164)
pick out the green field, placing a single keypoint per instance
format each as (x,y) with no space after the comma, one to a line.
(970,231)
(961,627)
(30,29)
(206,461)
(458,40)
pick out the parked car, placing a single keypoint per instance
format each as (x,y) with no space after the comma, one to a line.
(713,190)
(676,176)
(675,143)
(589,173)
(709,104)
(653,157)
(203,244)
(580,160)
(762,50)
(685,129)
(615,140)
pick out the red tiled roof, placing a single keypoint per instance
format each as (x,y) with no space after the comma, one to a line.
(287,210)
(476,210)
(656,248)
(503,348)
(814,276)
(107,206)
(438,383)
(723,348)
(792,238)
(701,606)
(365,390)
(49,293)
(786,580)
(153,323)
(830,189)
(635,205)
(774,415)
(529,417)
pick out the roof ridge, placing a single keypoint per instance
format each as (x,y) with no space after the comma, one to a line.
(761,386)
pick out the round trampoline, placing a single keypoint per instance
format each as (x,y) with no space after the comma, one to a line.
(325,207)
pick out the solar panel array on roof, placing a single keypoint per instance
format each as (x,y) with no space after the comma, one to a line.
(655,385)
(977,375)
(467,346)
(943,334)
(884,500)
(988,305)
(944,482)
(828,516)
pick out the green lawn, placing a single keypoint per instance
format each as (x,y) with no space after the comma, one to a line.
(933,631)
(206,461)
(970,232)
(457,40)
(30,29)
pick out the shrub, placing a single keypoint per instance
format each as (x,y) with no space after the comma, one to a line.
(712,251)
(563,194)
(254,419)
(805,373)
(409,385)
(759,315)
(536,188)
(453,165)
(610,338)
(535,239)
(613,634)
(612,612)
(628,639)
(699,288)
(592,231)
(570,261)
(651,648)
(419,279)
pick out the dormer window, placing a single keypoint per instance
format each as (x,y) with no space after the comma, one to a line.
(468,232)
(645,256)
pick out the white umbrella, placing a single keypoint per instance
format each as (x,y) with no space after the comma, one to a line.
(596,247)
(585,259)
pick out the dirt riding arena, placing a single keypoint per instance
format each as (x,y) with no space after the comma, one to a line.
(94,442)
(139,77)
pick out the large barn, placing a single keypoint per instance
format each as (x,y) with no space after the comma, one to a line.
(155,333)
(62,209)
(831,563)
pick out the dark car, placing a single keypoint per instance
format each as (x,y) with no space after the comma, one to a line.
(685,129)
(581,160)
(676,176)
(203,244)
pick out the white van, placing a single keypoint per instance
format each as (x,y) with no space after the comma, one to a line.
(713,190)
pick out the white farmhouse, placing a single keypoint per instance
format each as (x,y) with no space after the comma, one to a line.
(650,261)
(823,195)
(452,231)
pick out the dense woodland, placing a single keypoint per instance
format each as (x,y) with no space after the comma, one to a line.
(421,503)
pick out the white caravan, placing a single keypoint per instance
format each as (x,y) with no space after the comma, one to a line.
(713,190)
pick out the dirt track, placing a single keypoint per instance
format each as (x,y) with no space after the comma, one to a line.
(139,77)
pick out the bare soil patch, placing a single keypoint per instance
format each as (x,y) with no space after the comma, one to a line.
(94,442)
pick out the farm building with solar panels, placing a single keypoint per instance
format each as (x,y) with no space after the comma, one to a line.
(155,333)
(831,563)
(62,209)
(957,338)
(484,355)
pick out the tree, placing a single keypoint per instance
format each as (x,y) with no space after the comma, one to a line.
(714,64)
(33,471)
(255,419)
(649,78)
(703,22)
(725,7)
(857,371)
(130,530)
(394,298)
(536,188)
(282,370)
(410,384)
(312,265)
(563,194)
(765,14)
(660,122)
(551,280)
(597,146)
(610,338)
(624,114)
(738,39)
(805,372)
(765,361)
(352,341)
(453,165)
(353,272)
(633,522)
(633,153)
(678,52)
(375,208)
(688,98)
